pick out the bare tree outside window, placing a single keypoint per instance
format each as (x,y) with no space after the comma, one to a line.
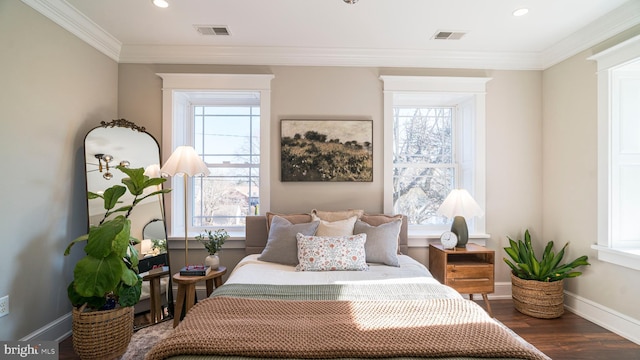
(424,169)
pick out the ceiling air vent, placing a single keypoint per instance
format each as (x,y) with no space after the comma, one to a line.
(213,30)
(449,35)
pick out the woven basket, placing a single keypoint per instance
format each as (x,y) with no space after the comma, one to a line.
(543,300)
(102,334)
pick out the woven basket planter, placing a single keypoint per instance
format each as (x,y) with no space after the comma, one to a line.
(102,334)
(539,299)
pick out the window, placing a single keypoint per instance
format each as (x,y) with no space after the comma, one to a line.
(228,139)
(226,119)
(434,130)
(424,161)
(619,154)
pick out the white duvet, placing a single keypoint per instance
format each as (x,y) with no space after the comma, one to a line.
(250,270)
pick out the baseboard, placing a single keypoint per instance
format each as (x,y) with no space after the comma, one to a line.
(502,291)
(621,324)
(57,330)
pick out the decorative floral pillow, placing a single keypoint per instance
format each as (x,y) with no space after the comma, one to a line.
(333,253)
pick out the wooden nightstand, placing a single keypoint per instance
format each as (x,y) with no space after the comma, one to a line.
(469,270)
(187,290)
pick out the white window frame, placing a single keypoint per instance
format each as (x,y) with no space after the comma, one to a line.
(608,61)
(176,105)
(471,88)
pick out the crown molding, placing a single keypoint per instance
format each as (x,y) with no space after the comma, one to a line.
(287,56)
(69,18)
(65,15)
(620,19)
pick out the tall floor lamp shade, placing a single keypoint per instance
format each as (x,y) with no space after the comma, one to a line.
(460,205)
(185,162)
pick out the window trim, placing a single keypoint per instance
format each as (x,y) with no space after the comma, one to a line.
(607,60)
(175,83)
(472,86)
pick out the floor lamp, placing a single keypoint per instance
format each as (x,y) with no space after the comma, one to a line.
(458,205)
(185,162)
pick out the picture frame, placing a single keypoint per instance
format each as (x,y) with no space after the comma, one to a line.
(326,150)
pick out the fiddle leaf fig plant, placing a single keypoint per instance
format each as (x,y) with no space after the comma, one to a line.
(108,275)
(526,266)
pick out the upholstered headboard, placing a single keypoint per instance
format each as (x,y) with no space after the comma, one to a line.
(257,235)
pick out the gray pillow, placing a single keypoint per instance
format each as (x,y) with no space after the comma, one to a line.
(382,241)
(282,247)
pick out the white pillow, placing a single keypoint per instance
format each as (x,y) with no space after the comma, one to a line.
(335,228)
(333,253)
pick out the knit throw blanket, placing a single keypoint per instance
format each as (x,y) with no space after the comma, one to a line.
(341,329)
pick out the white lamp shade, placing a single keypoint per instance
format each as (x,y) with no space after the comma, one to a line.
(460,203)
(145,246)
(184,161)
(152,171)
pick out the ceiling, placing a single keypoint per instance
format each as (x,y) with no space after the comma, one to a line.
(396,33)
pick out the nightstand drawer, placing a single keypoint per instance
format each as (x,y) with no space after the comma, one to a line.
(472,286)
(479,271)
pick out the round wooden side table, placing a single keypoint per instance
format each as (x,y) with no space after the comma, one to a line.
(187,290)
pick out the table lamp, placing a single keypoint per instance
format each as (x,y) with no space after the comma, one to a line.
(460,205)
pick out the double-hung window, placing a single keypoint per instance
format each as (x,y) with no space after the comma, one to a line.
(424,160)
(227,136)
(619,154)
(434,142)
(226,119)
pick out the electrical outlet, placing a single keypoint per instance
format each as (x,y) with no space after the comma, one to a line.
(4,306)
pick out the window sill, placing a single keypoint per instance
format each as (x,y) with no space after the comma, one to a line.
(629,258)
(235,241)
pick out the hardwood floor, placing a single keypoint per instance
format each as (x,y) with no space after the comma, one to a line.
(568,338)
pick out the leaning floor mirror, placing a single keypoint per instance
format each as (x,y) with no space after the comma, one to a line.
(121,142)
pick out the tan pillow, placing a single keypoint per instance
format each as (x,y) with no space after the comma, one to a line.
(335,228)
(292,218)
(379,219)
(337,215)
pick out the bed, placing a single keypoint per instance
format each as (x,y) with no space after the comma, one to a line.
(391,308)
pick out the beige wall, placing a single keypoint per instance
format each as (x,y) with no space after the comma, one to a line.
(514,162)
(570,182)
(514,119)
(54,89)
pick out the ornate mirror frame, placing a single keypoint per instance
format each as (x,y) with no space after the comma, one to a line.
(123,142)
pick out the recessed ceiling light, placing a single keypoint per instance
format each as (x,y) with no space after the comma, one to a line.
(160,3)
(520,12)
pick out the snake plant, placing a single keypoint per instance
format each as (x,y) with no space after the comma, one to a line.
(526,266)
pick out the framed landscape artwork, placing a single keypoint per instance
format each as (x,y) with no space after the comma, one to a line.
(326,150)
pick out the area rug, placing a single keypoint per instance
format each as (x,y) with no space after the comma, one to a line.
(144,339)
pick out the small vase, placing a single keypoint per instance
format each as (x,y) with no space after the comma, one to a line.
(213,261)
